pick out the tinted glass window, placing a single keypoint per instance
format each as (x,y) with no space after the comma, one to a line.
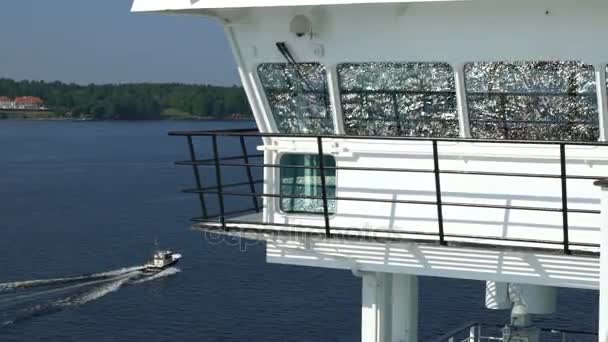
(532,101)
(298,97)
(398,99)
(305,180)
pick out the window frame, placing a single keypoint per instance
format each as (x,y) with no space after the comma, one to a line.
(274,125)
(337,114)
(470,98)
(396,118)
(305,214)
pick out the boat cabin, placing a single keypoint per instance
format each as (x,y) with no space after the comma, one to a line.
(402,138)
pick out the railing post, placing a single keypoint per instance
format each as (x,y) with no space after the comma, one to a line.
(218,177)
(197,177)
(323,186)
(249,174)
(603,281)
(438,192)
(564,181)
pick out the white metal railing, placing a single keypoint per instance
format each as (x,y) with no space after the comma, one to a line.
(472,332)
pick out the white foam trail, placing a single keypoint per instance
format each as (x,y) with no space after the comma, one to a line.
(58,305)
(99,292)
(119,271)
(112,282)
(47,282)
(66,288)
(164,273)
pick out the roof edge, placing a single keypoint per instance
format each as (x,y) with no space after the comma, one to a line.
(189,5)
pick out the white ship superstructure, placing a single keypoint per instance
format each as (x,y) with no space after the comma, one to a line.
(400,139)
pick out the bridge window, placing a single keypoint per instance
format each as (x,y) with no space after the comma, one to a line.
(304,179)
(532,101)
(398,99)
(298,97)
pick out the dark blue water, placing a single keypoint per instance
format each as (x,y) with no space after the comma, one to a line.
(84,197)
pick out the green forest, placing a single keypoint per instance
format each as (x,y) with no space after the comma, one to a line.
(137,101)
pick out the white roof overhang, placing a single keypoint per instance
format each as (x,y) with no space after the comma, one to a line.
(201,5)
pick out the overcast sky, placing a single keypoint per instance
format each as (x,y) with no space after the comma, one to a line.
(86,41)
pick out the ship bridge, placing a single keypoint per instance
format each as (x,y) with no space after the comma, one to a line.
(396,139)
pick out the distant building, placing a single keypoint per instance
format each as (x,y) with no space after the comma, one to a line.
(29,103)
(5,102)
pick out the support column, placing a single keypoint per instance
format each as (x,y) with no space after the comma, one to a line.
(602,99)
(405,308)
(389,308)
(461,101)
(603,286)
(333,88)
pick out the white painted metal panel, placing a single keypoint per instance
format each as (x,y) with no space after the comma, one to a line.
(419,259)
(456,188)
(522,267)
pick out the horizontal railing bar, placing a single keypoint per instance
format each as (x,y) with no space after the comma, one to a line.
(584,211)
(575,332)
(502,174)
(390,138)
(379,200)
(386,169)
(388,231)
(232,185)
(238,130)
(451,333)
(585,177)
(380,169)
(497,206)
(229,213)
(546,242)
(313,167)
(320,228)
(209,190)
(203,161)
(245,194)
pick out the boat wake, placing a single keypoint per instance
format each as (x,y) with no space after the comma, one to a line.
(164,273)
(7,287)
(25,300)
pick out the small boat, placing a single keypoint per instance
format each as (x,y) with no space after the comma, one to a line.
(161,260)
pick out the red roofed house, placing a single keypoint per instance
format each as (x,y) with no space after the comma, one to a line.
(5,102)
(29,102)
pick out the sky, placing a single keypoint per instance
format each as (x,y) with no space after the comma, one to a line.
(87,41)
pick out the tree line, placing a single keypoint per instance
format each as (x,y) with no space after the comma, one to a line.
(137,101)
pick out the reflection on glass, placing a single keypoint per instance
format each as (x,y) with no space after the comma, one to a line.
(298,97)
(532,101)
(305,180)
(398,99)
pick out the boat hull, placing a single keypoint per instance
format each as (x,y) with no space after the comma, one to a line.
(152,268)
